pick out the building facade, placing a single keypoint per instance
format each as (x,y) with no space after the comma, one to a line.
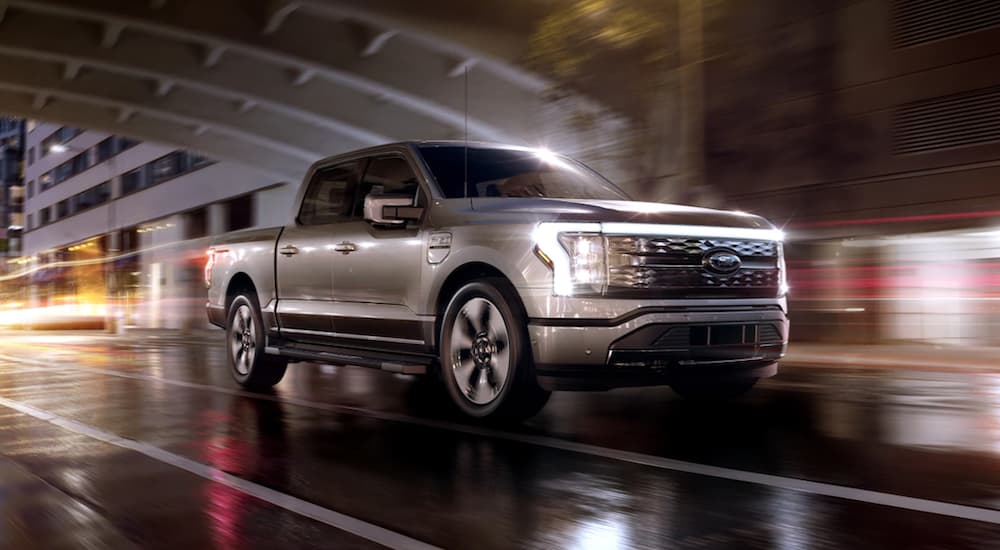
(118,227)
(870,129)
(11,188)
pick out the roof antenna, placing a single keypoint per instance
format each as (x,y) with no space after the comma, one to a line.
(465,187)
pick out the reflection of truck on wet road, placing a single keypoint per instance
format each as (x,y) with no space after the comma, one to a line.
(509,272)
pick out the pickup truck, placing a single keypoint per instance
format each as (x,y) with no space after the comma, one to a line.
(508,272)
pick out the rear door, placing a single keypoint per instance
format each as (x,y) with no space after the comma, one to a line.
(305,252)
(376,273)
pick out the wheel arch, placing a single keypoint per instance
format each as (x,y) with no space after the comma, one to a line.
(239,282)
(459,277)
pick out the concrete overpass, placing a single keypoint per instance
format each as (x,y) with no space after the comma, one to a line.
(277,84)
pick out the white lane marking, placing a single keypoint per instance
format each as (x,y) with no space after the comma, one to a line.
(949,509)
(363,529)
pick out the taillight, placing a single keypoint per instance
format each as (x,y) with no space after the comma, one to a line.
(209,265)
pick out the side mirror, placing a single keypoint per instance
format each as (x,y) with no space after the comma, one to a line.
(391,209)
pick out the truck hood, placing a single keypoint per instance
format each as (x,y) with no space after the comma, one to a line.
(581,210)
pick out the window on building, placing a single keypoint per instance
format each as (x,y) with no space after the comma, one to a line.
(167,167)
(67,133)
(62,209)
(99,194)
(134,180)
(196,225)
(45,181)
(31,221)
(31,156)
(90,157)
(80,163)
(63,172)
(62,135)
(130,240)
(241,214)
(106,149)
(31,189)
(43,217)
(196,161)
(15,203)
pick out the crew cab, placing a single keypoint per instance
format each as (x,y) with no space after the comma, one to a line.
(508,272)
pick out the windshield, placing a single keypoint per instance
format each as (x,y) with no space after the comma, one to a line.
(515,173)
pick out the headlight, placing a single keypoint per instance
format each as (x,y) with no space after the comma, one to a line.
(576,254)
(588,270)
(783,287)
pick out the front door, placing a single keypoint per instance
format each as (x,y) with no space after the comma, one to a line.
(305,253)
(376,271)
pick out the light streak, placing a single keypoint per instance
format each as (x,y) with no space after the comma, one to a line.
(197,244)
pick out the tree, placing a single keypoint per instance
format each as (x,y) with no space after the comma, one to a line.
(644,59)
(615,50)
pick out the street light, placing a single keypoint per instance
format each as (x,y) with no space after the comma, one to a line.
(110,323)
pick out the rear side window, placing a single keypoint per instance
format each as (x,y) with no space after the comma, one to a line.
(331,195)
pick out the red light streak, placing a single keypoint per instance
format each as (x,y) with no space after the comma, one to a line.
(898,219)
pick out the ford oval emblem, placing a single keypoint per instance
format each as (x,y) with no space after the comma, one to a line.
(722,261)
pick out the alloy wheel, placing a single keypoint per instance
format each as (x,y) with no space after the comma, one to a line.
(479,351)
(243,340)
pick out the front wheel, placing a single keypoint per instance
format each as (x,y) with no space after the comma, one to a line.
(250,366)
(485,356)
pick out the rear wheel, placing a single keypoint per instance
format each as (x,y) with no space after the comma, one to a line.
(485,357)
(713,391)
(249,365)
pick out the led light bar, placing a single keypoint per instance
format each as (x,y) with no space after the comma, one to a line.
(705,231)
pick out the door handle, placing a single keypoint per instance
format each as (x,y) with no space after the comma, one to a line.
(288,250)
(345,247)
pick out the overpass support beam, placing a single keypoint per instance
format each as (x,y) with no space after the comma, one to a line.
(71,70)
(111,33)
(276,13)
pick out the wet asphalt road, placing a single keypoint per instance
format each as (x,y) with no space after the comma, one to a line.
(136,443)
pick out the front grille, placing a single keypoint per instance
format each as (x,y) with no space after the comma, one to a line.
(687,251)
(684,336)
(675,265)
(769,334)
(674,338)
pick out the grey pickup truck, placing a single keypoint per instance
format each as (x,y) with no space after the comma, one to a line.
(508,272)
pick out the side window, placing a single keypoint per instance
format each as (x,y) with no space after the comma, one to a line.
(331,195)
(387,176)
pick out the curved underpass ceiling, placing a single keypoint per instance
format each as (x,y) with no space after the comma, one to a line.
(277,84)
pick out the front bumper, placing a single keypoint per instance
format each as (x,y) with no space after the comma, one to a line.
(657,346)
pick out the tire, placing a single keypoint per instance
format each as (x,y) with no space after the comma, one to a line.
(713,391)
(485,357)
(245,341)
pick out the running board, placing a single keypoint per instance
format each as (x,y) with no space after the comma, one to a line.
(390,362)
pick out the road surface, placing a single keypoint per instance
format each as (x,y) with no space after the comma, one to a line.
(145,442)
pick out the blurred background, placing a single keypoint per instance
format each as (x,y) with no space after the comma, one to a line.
(868,129)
